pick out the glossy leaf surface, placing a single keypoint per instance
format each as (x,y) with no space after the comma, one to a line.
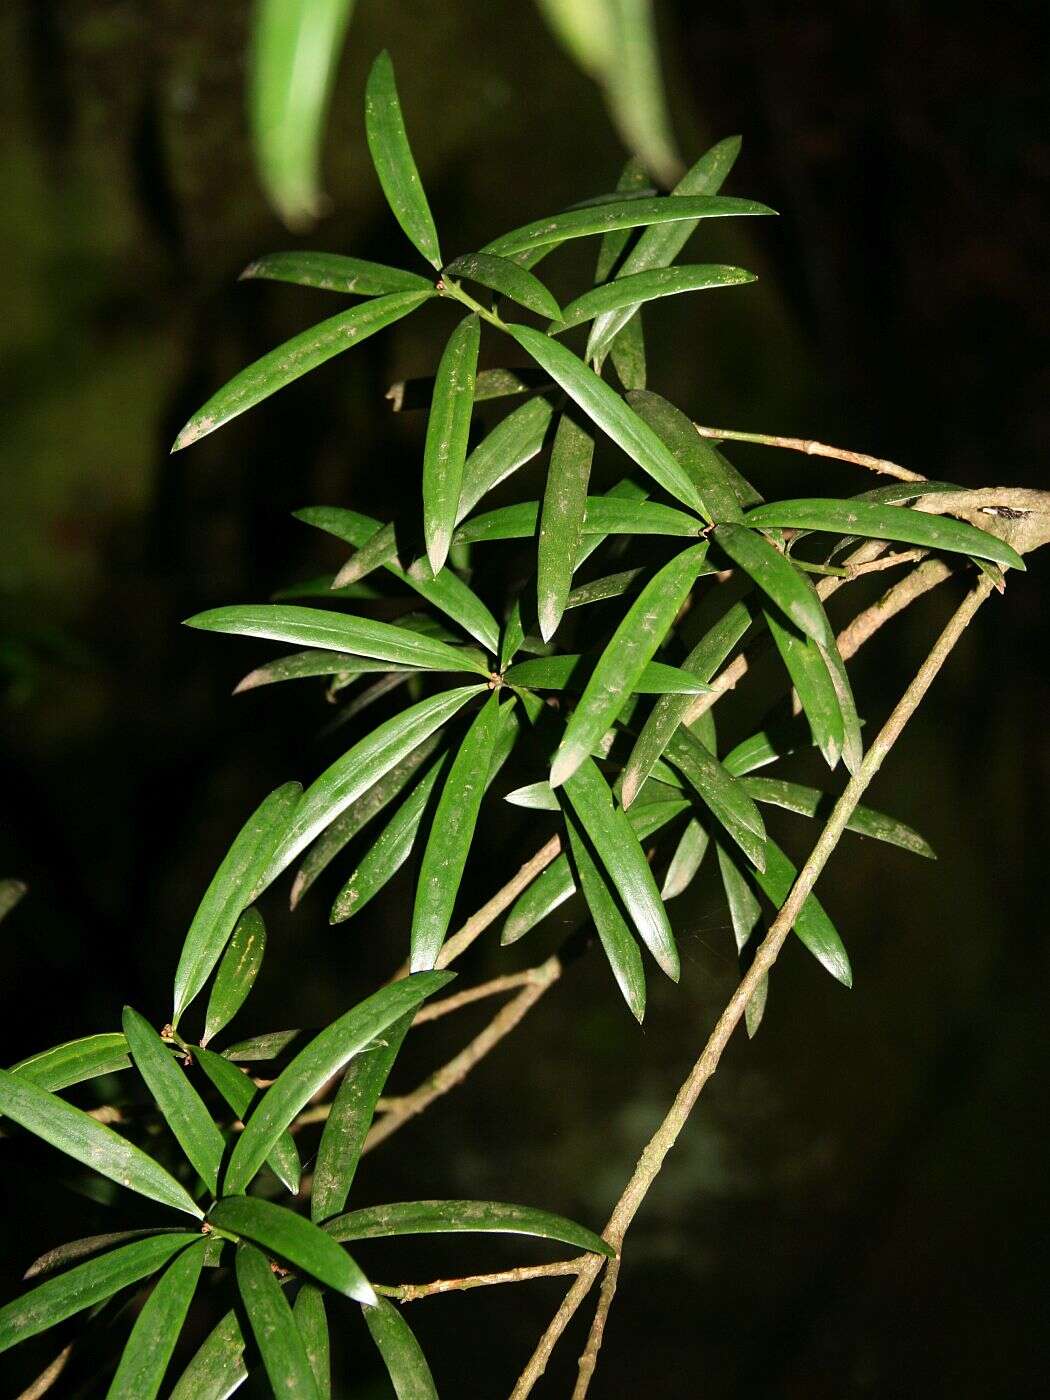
(616,938)
(394,162)
(776,576)
(561,520)
(641,287)
(217,1368)
(332,272)
(147,1353)
(448,428)
(273,1326)
(237,972)
(508,279)
(402,1355)
(698,458)
(240,1093)
(440,1217)
(280,1231)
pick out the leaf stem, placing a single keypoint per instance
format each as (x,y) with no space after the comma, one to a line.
(446,286)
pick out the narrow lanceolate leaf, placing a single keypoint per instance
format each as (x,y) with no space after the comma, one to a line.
(147,1353)
(451,836)
(316,1063)
(448,428)
(240,1093)
(605,515)
(295,358)
(217,1369)
(631,647)
(806,665)
(611,834)
(605,408)
(666,715)
(393,160)
(90,1142)
(267,1046)
(627,353)
(573,671)
(813,926)
(809,801)
(721,793)
(74,1061)
(237,973)
(511,443)
(744,913)
(180,1105)
(273,1326)
(402,1355)
(331,272)
(660,245)
(553,886)
(508,279)
(561,520)
(390,850)
(605,218)
(360,636)
(472,1217)
(686,860)
(230,892)
(280,1231)
(852,744)
(883,522)
(300,665)
(347,1125)
(11,892)
(74,1250)
(51,1302)
(648,286)
(777,577)
(634,178)
(294,53)
(357,816)
(312,1323)
(619,944)
(695,454)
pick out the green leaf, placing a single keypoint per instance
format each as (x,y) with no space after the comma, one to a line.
(331,272)
(612,836)
(359,636)
(605,515)
(294,53)
(229,893)
(881,522)
(301,665)
(409,394)
(267,1046)
(686,860)
(473,1217)
(347,1124)
(240,1093)
(573,671)
(179,1103)
(295,358)
(276,1335)
(157,1327)
(666,715)
(537,797)
(629,213)
(450,837)
(852,744)
(73,1250)
(634,178)
(90,1142)
(76,1289)
(806,665)
(508,279)
(315,1064)
(630,648)
(813,926)
(809,801)
(744,913)
(777,739)
(312,1323)
(448,428)
(605,408)
(704,465)
(720,792)
(512,443)
(600,590)
(237,973)
(404,1360)
(627,353)
(390,850)
(660,245)
(635,290)
(619,944)
(74,1061)
(358,815)
(392,158)
(776,576)
(217,1369)
(11,893)
(280,1231)
(561,520)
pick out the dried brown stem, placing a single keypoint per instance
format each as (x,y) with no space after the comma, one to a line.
(813,449)
(412,1292)
(434,1010)
(652,1158)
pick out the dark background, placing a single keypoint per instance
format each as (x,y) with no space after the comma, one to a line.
(858,1205)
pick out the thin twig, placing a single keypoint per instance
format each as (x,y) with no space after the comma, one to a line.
(432,1011)
(652,1158)
(589,1356)
(893,601)
(400,1110)
(813,449)
(411,1292)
